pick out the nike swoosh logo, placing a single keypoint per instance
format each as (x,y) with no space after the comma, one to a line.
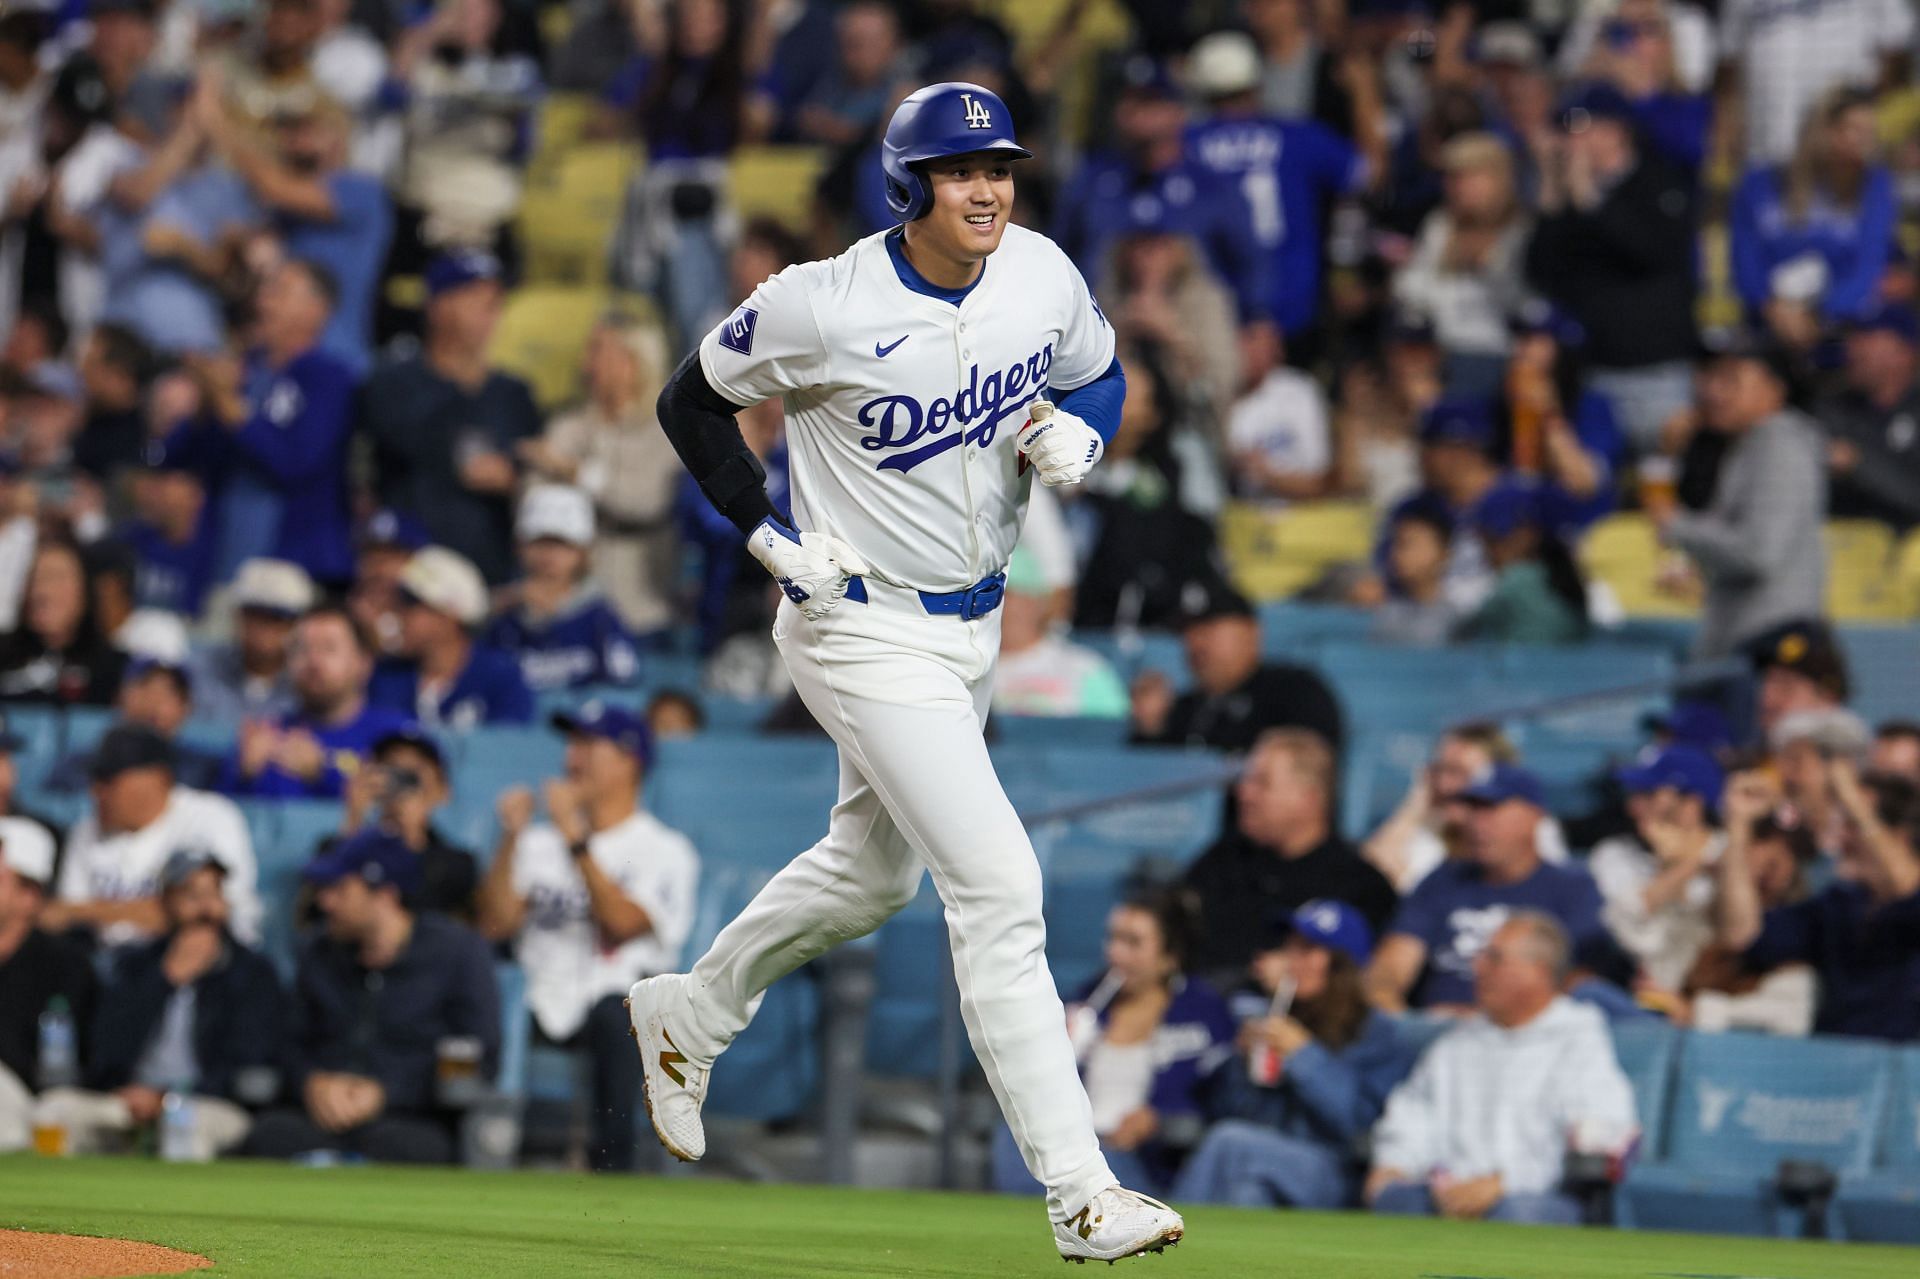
(884,351)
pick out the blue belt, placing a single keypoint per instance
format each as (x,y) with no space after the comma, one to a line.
(967,604)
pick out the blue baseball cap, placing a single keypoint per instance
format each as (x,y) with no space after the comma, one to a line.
(1692,722)
(390,527)
(1538,317)
(1459,420)
(170,455)
(1333,924)
(376,856)
(1507,508)
(1149,78)
(418,738)
(1501,783)
(1594,101)
(1687,769)
(459,268)
(622,727)
(1891,318)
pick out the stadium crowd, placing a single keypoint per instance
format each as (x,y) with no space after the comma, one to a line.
(1496,271)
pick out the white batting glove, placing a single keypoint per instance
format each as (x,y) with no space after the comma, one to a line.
(1059,445)
(812,568)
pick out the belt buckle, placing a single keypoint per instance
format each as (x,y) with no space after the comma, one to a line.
(981,598)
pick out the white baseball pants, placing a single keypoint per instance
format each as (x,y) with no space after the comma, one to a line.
(905,697)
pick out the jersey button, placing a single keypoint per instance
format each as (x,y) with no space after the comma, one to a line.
(966,355)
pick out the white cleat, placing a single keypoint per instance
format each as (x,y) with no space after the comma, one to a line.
(672,1086)
(1118,1223)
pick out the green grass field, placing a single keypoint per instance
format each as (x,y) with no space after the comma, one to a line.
(270,1219)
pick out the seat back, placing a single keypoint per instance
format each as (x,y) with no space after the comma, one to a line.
(1647,1050)
(1900,1142)
(1624,551)
(1745,1102)
(1859,586)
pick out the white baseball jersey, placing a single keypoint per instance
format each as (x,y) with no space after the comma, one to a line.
(126,866)
(902,409)
(567,967)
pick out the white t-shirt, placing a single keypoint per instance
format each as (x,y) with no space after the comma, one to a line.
(1667,941)
(1792,51)
(1284,421)
(126,866)
(568,970)
(903,409)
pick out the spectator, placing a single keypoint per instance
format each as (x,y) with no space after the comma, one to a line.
(1041,671)
(1429,827)
(1313,1072)
(195,1012)
(1873,423)
(1554,428)
(1798,666)
(157,693)
(1656,885)
(1484,1125)
(1538,596)
(1291,170)
(58,652)
(388,539)
(1802,745)
(846,106)
(1236,696)
(1162,295)
(1378,412)
(248,678)
(402,785)
(324,212)
(1415,610)
(442,677)
(1757,546)
(38,972)
(1283,853)
(1614,245)
(1896,750)
(684,88)
(1659,55)
(171,534)
(1721,993)
(309,752)
(279,422)
(560,627)
(376,999)
(1466,267)
(1276,432)
(1459,468)
(612,446)
(1148,1038)
(1776,63)
(140,816)
(115,367)
(1427,958)
(443,424)
(112,573)
(1861,934)
(596,898)
(1810,239)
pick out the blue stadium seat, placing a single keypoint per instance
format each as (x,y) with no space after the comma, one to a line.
(1882,660)
(1743,1104)
(1647,1049)
(910,981)
(1059,730)
(1084,877)
(1884,1205)
(1145,651)
(1421,1031)
(515,1029)
(772,1070)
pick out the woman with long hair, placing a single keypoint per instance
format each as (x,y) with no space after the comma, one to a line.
(1148,1038)
(57,653)
(1811,238)
(1313,1072)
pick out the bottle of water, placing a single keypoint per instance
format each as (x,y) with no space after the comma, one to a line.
(179,1136)
(59,1055)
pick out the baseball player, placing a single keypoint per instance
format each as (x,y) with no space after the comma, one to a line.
(929,374)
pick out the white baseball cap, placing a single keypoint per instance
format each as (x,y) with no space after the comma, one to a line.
(558,511)
(1223,64)
(273,586)
(153,635)
(446,582)
(27,850)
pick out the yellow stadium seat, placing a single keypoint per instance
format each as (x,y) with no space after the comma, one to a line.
(1861,585)
(542,334)
(776,182)
(1906,574)
(1624,552)
(1274,553)
(569,213)
(561,126)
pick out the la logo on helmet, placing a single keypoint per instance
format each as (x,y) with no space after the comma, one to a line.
(978,117)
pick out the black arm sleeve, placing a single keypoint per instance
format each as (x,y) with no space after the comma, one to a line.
(699,424)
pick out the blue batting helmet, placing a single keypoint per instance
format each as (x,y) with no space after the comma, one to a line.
(954,118)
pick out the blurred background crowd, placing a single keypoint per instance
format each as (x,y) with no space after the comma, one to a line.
(1489,362)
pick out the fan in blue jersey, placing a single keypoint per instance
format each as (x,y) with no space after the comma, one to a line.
(443,678)
(170,534)
(562,629)
(1286,171)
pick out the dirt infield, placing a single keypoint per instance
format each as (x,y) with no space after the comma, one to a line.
(27,1255)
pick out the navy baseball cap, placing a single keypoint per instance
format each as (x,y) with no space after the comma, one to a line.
(1459,420)
(147,663)
(127,747)
(1333,924)
(418,738)
(1208,597)
(1507,508)
(374,855)
(1594,101)
(1501,783)
(390,527)
(1538,317)
(183,863)
(1149,78)
(1692,722)
(1891,318)
(459,268)
(1687,769)
(1411,328)
(622,727)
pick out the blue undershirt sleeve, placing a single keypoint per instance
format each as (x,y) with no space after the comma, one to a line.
(1098,402)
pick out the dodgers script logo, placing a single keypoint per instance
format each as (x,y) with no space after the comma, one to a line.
(978,407)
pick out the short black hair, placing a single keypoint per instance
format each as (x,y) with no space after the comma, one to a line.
(125,350)
(1176,910)
(679,697)
(181,681)
(362,637)
(1895,729)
